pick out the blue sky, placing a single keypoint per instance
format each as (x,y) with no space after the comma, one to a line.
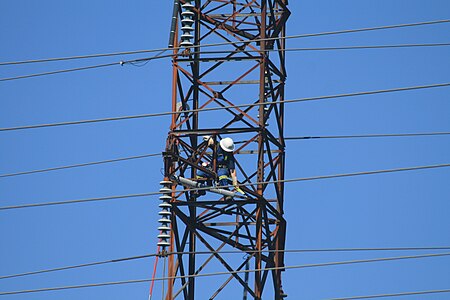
(390,210)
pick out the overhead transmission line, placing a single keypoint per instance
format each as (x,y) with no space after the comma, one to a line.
(349,262)
(58,72)
(86,68)
(230,186)
(220,252)
(80,165)
(150,115)
(146,60)
(394,295)
(227,43)
(357,136)
(367,47)
(289,138)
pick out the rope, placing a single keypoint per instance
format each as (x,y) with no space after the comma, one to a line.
(155,265)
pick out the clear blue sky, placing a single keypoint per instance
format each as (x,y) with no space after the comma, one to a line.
(391,210)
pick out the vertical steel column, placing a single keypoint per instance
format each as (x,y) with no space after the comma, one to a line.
(279,245)
(261,149)
(192,209)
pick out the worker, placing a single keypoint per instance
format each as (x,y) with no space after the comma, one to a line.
(225,163)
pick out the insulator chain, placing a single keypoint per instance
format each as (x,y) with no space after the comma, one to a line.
(188,20)
(165,213)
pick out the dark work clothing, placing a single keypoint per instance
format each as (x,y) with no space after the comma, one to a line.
(225,163)
(225,159)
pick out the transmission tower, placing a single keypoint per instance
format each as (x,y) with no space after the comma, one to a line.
(248,67)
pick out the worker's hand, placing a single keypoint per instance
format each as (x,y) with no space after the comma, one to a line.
(209,140)
(236,186)
(238,189)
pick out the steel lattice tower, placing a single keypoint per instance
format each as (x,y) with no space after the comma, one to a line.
(249,67)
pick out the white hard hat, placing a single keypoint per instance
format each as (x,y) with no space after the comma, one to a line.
(227,144)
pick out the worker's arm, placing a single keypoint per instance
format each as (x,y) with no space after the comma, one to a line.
(235,182)
(233,177)
(209,139)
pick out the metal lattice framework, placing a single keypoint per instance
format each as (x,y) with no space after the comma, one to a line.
(242,71)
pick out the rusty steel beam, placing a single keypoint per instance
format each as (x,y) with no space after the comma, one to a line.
(239,82)
(241,15)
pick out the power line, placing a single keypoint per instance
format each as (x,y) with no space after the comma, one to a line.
(121,63)
(363,47)
(59,71)
(227,273)
(364,173)
(344,31)
(146,60)
(225,107)
(226,43)
(77,266)
(220,252)
(82,165)
(367,47)
(244,184)
(79,165)
(80,200)
(365,136)
(394,295)
(158,154)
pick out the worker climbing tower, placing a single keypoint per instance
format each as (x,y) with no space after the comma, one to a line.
(232,89)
